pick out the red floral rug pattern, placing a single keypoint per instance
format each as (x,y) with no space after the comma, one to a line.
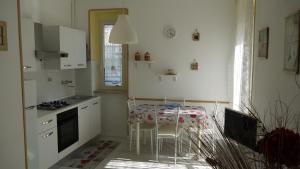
(91,156)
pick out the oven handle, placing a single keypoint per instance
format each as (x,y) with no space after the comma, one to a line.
(48,134)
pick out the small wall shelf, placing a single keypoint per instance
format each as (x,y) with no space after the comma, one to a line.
(164,76)
(136,62)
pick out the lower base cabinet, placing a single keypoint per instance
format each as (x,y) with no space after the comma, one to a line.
(89,126)
(48,151)
(84,122)
(89,120)
(95,117)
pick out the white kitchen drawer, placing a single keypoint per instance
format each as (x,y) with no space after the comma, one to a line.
(46,123)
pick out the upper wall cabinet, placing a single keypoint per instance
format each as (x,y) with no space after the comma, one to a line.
(28,45)
(65,48)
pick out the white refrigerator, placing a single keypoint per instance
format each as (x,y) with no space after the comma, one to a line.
(30,92)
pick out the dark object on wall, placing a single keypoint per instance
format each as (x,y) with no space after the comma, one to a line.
(147,56)
(196,35)
(241,128)
(3,36)
(292,45)
(263,42)
(137,56)
(194,65)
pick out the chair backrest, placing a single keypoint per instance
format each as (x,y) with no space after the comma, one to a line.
(131,104)
(181,101)
(163,118)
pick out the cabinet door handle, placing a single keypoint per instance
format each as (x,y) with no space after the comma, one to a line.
(84,107)
(27,67)
(47,122)
(95,103)
(48,134)
(80,64)
(30,108)
(67,65)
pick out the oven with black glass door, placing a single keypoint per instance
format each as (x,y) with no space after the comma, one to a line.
(67,128)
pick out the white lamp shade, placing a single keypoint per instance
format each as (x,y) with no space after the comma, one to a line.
(123,32)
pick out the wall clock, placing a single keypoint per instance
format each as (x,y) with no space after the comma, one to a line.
(169,32)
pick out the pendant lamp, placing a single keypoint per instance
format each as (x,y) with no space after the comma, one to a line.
(123,32)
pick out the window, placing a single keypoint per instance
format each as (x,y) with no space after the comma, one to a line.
(112,60)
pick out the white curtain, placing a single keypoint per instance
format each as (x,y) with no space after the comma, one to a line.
(243,53)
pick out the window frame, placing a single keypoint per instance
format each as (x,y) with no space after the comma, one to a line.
(100,84)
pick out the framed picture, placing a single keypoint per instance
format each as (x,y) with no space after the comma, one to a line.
(291,46)
(3,36)
(263,42)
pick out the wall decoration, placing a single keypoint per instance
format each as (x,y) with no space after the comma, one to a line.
(194,65)
(291,46)
(137,56)
(263,42)
(147,56)
(169,32)
(3,36)
(196,35)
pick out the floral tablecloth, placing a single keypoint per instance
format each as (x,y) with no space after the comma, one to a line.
(195,116)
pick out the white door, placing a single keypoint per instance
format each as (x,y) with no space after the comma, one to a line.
(28,45)
(66,38)
(31,137)
(83,123)
(95,123)
(81,50)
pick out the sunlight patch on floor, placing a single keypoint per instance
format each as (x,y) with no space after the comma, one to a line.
(121,163)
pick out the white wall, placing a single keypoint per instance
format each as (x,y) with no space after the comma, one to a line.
(49,86)
(270,80)
(55,12)
(12,154)
(215,20)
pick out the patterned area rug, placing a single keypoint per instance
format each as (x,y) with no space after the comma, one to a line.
(90,156)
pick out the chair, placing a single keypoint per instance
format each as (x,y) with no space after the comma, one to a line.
(163,131)
(144,127)
(205,131)
(170,101)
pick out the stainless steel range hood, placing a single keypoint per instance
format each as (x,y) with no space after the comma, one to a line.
(39,44)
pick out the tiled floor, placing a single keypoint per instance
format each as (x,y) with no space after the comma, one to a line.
(122,158)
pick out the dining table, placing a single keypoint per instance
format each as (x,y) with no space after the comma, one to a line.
(190,116)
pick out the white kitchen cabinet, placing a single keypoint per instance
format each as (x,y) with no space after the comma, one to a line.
(48,150)
(28,45)
(65,48)
(84,122)
(95,117)
(31,129)
(89,120)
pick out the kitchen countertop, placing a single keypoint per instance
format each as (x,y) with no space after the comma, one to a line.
(73,100)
